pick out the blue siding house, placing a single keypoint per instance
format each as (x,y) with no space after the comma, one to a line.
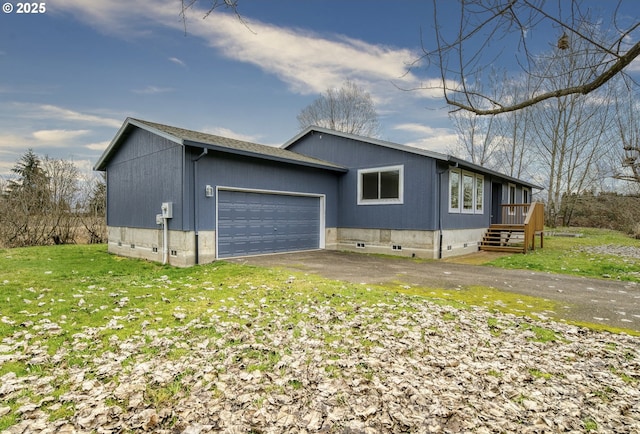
(184,197)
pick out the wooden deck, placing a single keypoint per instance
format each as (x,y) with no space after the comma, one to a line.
(521,224)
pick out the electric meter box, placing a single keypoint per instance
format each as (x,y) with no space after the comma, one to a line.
(158,219)
(167,210)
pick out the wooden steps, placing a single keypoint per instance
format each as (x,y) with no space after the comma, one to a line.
(504,238)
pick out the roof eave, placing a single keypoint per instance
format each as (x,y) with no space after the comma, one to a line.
(476,167)
(245,153)
(424,152)
(115,142)
(370,140)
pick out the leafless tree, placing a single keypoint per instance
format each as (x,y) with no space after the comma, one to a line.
(349,109)
(93,208)
(39,203)
(488,30)
(627,121)
(572,133)
(63,190)
(477,139)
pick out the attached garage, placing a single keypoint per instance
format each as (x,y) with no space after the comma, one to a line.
(258,222)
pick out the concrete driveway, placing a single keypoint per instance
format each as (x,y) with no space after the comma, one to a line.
(592,300)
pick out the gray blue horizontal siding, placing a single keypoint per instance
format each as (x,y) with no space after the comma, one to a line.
(228,170)
(144,172)
(462,220)
(419,210)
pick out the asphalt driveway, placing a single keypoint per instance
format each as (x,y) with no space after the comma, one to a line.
(602,301)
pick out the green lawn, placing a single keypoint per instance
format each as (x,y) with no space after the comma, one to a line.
(65,305)
(78,287)
(576,256)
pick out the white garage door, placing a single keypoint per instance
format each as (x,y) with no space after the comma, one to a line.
(252,223)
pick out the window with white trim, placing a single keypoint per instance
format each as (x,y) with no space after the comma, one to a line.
(466,192)
(380,186)
(526,198)
(454,191)
(479,208)
(512,198)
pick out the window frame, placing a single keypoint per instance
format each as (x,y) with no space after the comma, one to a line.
(479,181)
(511,198)
(381,201)
(477,195)
(458,174)
(470,209)
(526,199)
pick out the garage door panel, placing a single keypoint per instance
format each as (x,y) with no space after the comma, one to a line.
(258,223)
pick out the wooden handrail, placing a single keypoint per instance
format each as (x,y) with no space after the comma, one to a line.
(533,224)
(518,220)
(528,215)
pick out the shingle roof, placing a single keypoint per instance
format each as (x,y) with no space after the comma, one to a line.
(213,142)
(413,150)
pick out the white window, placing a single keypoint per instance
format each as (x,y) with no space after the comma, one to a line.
(479,209)
(454,191)
(466,192)
(526,198)
(383,185)
(512,198)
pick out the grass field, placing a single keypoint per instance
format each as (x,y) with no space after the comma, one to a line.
(580,256)
(67,304)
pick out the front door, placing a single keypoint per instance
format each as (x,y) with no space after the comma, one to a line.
(496,203)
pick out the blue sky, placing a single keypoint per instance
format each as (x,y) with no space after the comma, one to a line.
(70,76)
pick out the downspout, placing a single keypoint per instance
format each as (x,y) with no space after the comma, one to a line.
(165,240)
(196,203)
(440,216)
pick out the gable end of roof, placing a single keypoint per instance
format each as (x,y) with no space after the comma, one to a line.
(184,137)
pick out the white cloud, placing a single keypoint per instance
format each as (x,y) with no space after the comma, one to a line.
(58,136)
(426,137)
(307,62)
(99,146)
(226,132)
(124,18)
(177,61)
(153,90)
(50,130)
(12,141)
(60,113)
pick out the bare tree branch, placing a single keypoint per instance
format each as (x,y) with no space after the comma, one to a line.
(583,89)
(482,34)
(215,4)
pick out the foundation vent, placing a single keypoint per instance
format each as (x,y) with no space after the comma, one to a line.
(449,247)
(360,245)
(396,247)
(154,249)
(174,253)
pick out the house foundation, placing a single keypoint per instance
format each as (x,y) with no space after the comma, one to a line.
(148,243)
